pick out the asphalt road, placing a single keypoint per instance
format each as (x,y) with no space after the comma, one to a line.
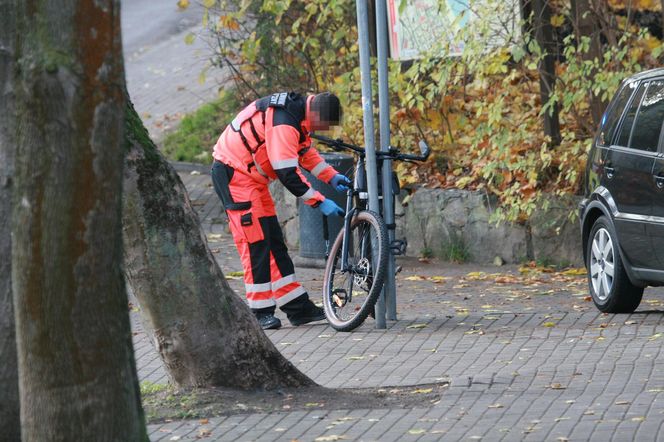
(162,70)
(147,22)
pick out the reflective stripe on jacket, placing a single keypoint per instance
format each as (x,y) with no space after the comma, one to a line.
(269,139)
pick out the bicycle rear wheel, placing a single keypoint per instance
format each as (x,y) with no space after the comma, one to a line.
(349,295)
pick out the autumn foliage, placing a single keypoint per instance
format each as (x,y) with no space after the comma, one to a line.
(480,111)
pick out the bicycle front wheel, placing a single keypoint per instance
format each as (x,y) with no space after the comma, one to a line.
(349,294)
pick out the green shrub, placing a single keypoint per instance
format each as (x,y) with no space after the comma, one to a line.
(198,132)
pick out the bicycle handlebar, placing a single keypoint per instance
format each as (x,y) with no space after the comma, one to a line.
(392,154)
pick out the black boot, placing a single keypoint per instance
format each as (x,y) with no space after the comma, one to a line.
(302,311)
(266,318)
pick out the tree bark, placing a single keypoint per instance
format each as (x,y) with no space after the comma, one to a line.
(204,332)
(586,25)
(77,378)
(10,428)
(547,67)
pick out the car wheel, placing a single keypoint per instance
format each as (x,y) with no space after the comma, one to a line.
(610,287)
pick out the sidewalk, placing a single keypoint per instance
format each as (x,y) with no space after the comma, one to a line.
(523,358)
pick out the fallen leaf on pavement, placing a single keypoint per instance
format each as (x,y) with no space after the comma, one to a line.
(422,391)
(638,419)
(549,324)
(575,272)
(330,438)
(496,406)
(417,431)
(415,278)
(622,402)
(417,326)
(557,386)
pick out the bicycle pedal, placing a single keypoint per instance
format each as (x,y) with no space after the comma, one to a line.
(338,300)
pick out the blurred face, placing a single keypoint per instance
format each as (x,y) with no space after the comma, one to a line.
(313,117)
(316,123)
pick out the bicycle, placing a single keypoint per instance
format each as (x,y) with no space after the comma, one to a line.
(357,261)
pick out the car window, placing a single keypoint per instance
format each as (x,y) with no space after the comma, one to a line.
(612,115)
(648,123)
(628,120)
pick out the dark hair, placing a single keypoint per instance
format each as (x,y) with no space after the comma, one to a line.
(328,107)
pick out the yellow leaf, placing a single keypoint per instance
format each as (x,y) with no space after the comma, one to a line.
(417,326)
(415,278)
(189,38)
(417,431)
(422,390)
(575,272)
(557,20)
(496,406)
(209,3)
(183,4)
(439,279)
(549,324)
(655,336)
(638,419)
(235,274)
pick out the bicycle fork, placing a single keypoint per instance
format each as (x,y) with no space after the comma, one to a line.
(350,211)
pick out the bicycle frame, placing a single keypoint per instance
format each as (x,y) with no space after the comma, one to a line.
(350,211)
(360,181)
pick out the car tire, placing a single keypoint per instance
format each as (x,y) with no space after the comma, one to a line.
(609,285)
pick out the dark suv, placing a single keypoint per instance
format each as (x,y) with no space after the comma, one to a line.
(622,215)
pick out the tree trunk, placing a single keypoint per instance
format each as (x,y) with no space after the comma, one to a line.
(10,428)
(586,25)
(547,67)
(204,332)
(77,379)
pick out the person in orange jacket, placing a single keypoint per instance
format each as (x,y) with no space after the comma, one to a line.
(268,140)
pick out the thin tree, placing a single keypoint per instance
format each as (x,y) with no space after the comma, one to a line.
(9,402)
(77,377)
(547,67)
(203,331)
(586,25)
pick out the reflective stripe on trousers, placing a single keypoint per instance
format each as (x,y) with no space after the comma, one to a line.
(269,274)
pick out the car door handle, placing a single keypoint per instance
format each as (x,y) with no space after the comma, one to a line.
(610,171)
(659,180)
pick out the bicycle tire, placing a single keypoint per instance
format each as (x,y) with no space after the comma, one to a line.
(370,281)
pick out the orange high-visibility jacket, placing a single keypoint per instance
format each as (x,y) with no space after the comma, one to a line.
(269,139)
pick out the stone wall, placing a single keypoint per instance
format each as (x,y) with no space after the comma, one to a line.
(456,223)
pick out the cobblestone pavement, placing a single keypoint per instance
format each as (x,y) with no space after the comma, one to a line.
(524,357)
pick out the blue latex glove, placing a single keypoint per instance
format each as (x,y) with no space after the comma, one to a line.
(329,207)
(340,182)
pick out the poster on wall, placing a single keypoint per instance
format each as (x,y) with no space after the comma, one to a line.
(417,26)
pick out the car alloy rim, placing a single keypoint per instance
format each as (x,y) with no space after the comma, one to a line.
(602,264)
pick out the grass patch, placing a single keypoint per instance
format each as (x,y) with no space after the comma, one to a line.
(148,387)
(455,249)
(198,132)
